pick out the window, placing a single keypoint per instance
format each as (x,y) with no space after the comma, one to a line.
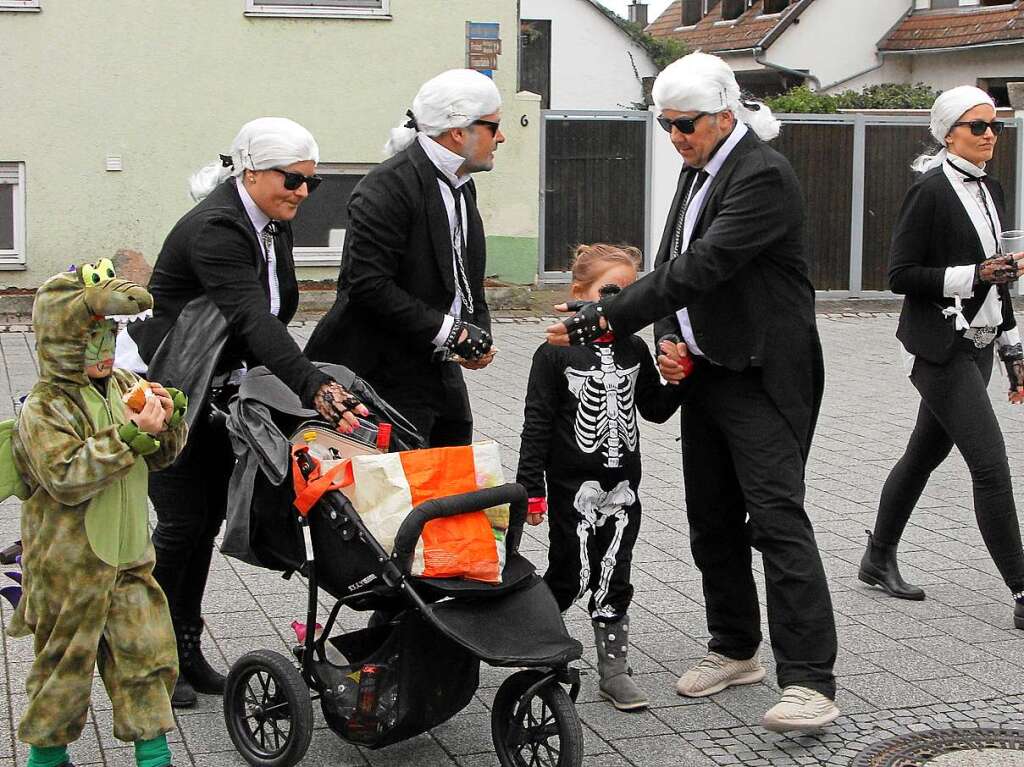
(339,9)
(319,227)
(12,215)
(733,9)
(774,6)
(19,5)
(693,11)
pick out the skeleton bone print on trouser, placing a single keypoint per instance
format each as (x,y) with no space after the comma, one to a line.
(594,526)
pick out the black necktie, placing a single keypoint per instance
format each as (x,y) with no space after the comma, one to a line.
(697,182)
(459,245)
(968,178)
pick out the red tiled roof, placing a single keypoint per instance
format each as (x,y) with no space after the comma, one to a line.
(707,35)
(956,28)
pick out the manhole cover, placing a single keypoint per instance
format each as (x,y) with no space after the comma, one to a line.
(947,748)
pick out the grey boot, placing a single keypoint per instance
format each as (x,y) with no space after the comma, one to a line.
(617,684)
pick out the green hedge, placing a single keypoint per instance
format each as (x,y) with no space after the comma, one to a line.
(885,96)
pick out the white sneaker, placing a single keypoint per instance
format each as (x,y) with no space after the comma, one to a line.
(715,672)
(800,709)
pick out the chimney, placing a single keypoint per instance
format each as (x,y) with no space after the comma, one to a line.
(638,13)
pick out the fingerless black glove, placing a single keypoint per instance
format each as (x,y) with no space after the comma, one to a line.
(584,327)
(1013,361)
(476,343)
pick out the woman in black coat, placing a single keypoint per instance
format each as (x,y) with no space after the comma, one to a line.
(224,289)
(947,260)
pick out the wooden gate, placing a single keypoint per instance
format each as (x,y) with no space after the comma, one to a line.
(594,171)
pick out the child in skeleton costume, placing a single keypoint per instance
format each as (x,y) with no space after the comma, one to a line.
(581,435)
(83,456)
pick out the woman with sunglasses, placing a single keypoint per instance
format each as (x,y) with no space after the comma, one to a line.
(947,260)
(231,255)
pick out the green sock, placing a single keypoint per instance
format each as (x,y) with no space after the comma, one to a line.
(153,753)
(48,756)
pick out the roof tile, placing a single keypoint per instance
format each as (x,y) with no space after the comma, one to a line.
(710,34)
(956,28)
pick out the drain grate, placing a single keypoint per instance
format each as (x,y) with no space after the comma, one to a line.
(918,748)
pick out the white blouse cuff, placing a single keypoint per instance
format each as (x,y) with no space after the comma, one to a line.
(1010,337)
(959,281)
(446,328)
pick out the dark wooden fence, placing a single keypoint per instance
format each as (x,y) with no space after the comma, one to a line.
(594,176)
(855,171)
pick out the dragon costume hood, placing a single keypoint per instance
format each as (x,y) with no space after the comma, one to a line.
(71,317)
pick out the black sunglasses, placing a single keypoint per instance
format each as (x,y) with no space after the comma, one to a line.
(492,125)
(685,125)
(978,127)
(293,181)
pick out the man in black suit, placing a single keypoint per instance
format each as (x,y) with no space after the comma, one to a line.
(411,311)
(731,282)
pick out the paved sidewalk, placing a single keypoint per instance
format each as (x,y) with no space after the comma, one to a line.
(953,660)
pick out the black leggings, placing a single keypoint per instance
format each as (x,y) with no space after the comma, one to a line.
(190,499)
(956,410)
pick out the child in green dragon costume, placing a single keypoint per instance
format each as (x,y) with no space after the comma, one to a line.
(90,598)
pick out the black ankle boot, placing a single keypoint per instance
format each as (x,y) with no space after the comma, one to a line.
(193,667)
(878,568)
(184,694)
(1018,614)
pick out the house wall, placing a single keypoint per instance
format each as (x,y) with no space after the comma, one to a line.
(833,40)
(594,65)
(948,69)
(166,85)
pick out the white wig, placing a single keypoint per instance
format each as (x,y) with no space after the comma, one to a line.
(263,143)
(453,99)
(948,108)
(700,82)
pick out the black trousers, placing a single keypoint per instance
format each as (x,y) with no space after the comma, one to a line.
(434,399)
(744,473)
(592,528)
(956,410)
(190,498)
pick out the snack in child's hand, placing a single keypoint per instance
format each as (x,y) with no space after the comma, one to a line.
(136,397)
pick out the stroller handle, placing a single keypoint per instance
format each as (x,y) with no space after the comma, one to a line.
(449,506)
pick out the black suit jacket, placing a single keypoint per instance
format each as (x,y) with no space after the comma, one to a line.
(213,251)
(934,232)
(744,280)
(397,281)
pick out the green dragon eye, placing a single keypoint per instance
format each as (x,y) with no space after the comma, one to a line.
(106,269)
(101,272)
(89,274)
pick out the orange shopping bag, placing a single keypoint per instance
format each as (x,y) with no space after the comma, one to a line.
(386,487)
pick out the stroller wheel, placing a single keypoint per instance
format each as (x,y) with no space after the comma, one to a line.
(535,729)
(268,710)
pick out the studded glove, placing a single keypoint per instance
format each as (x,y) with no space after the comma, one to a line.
(1013,361)
(584,327)
(476,344)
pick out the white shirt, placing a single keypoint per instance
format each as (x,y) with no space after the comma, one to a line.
(259,221)
(448,163)
(958,281)
(693,214)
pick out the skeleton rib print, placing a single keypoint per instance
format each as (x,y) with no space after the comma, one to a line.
(605,415)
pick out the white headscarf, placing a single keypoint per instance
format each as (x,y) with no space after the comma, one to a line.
(263,143)
(700,82)
(453,99)
(948,108)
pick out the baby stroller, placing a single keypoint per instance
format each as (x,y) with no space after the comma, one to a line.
(417,664)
